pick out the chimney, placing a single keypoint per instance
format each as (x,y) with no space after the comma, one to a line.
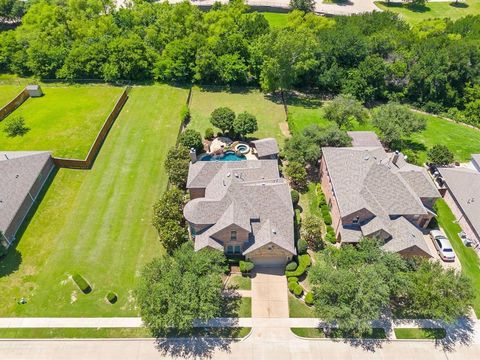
(193,155)
(395,157)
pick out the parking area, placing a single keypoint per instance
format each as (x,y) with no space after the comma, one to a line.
(455,264)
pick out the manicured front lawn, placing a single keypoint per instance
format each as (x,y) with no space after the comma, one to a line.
(432,10)
(377,333)
(103,333)
(97,222)
(467,256)
(240,282)
(8,92)
(65,120)
(420,333)
(245,308)
(269,112)
(298,309)
(275,19)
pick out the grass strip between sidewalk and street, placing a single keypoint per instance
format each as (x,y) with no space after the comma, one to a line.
(377,333)
(420,333)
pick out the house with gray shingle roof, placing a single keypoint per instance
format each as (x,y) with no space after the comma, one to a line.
(463,196)
(266,148)
(243,208)
(23,174)
(373,193)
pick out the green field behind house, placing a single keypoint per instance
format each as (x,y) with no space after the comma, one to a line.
(275,19)
(468,257)
(269,111)
(8,92)
(432,10)
(65,120)
(97,222)
(461,140)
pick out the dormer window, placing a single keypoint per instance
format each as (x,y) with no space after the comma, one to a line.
(233,235)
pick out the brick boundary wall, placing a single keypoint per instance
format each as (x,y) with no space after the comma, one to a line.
(14,104)
(97,144)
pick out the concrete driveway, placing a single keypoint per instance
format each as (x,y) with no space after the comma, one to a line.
(447,265)
(269,293)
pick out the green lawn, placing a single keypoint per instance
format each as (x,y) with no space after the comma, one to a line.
(275,19)
(97,222)
(467,256)
(269,112)
(432,10)
(298,309)
(377,333)
(461,140)
(240,282)
(309,201)
(245,308)
(8,92)
(420,333)
(65,120)
(102,333)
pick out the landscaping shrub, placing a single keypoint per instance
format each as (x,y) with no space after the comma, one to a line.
(246,266)
(15,127)
(185,114)
(309,299)
(291,266)
(297,290)
(209,133)
(191,139)
(112,297)
(295,197)
(292,279)
(327,218)
(291,286)
(322,201)
(330,237)
(82,283)
(302,247)
(303,263)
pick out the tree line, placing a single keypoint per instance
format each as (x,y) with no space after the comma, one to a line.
(374,57)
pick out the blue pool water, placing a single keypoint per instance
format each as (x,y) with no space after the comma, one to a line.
(228,156)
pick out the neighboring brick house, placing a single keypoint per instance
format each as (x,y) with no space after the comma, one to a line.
(241,208)
(23,174)
(372,193)
(463,196)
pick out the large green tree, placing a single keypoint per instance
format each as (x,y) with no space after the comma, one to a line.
(175,290)
(191,139)
(396,121)
(223,118)
(244,124)
(176,165)
(440,155)
(345,110)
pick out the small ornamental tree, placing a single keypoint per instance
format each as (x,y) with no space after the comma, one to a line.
(191,139)
(245,124)
(344,110)
(303,5)
(169,207)
(15,127)
(223,119)
(176,290)
(176,165)
(297,174)
(172,234)
(312,232)
(440,155)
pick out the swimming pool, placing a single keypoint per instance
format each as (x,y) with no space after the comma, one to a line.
(228,156)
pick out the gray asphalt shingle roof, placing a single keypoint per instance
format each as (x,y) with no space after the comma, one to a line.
(266,147)
(243,193)
(364,138)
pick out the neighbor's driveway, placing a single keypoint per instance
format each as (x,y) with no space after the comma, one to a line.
(269,293)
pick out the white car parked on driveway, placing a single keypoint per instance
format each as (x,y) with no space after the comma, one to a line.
(443,246)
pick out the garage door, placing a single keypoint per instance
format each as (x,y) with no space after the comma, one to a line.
(269,261)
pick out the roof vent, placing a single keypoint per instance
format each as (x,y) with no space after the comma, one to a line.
(274,231)
(366,157)
(228,174)
(236,175)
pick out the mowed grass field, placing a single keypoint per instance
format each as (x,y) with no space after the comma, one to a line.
(432,10)
(65,120)
(8,92)
(97,222)
(269,112)
(275,19)
(461,140)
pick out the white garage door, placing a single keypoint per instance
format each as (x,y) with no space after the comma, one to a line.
(269,261)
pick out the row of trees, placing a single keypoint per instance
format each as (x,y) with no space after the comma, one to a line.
(372,57)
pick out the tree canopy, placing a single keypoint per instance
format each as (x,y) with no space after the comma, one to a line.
(176,165)
(344,110)
(175,290)
(440,155)
(191,139)
(244,124)
(223,118)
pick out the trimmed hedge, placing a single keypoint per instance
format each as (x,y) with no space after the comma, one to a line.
(298,290)
(293,278)
(302,246)
(303,263)
(327,218)
(291,286)
(322,201)
(309,299)
(295,197)
(291,266)
(82,283)
(246,266)
(112,297)
(330,237)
